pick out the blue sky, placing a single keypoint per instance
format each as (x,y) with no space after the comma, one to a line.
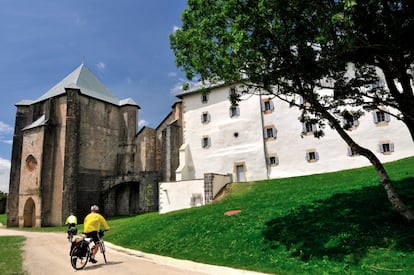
(125,43)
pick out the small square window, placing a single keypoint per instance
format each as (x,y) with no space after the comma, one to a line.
(386,148)
(267,106)
(352,153)
(204,98)
(205,117)
(270,132)
(273,161)
(350,122)
(234,111)
(304,102)
(312,156)
(381,117)
(308,127)
(205,142)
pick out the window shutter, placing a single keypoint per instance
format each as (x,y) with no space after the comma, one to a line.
(237,111)
(276,160)
(263,106)
(208,117)
(265,133)
(356,122)
(349,151)
(316,155)
(313,127)
(274,132)
(375,116)
(307,156)
(381,148)
(304,127)
(208,142)
(272,106)
(391,147)
(387,117)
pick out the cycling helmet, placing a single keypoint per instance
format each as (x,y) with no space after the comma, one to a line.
(94,208)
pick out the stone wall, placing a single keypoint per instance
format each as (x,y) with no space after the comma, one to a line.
(71,153)
(130,194)
(171,142)
(213,184)
(145,141)
(24,115)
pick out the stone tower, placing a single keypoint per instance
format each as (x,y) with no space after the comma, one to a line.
(65,142)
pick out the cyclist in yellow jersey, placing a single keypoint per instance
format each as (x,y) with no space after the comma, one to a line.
(71,221)
(91,226)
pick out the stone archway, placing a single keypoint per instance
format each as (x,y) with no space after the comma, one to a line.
(130,194)
(29,213)
(126,198)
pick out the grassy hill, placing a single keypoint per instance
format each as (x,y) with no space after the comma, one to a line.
(321,224)
(335,223)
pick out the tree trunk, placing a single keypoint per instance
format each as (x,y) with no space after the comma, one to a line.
(410,123)
(385,180)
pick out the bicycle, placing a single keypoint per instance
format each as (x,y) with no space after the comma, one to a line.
(81,252)
(72,231)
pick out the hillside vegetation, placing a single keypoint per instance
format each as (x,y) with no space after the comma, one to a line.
(335,223)
(330,223)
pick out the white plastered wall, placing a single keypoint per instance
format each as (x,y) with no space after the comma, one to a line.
(290,147)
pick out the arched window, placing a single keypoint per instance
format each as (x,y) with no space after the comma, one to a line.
(31,163)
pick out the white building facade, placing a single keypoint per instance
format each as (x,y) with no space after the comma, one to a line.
(262,138)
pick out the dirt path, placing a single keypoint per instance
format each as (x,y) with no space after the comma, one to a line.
(48,253)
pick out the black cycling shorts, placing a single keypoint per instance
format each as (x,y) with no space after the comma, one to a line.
(93,235)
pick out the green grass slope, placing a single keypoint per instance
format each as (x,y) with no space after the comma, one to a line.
(321,224)
(335,223)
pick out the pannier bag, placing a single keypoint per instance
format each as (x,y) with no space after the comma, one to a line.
(79,247)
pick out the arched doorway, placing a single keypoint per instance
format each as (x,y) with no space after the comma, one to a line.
(29,216)
(126,198)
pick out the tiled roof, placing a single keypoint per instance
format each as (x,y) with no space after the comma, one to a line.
(39,122)
(82,78)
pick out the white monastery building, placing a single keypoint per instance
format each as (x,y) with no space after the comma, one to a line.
(262,138)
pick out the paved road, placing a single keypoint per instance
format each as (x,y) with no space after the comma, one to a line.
(48,253)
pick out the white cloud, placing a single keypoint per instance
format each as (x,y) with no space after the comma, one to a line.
(142,123)
(101,66)
(175,28)
(128,80)
(172,74)
(4,175)
(5,131)
(178,88)
(9,141)
(5,128)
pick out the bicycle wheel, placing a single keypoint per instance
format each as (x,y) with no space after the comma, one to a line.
(79,262)
(102,247)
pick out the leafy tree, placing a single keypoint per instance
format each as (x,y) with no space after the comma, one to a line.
(324,51)
(373,34)
(2,195)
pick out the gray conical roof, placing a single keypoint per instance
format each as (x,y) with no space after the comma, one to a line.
(81,78)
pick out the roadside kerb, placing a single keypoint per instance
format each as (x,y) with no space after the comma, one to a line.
(199,267)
